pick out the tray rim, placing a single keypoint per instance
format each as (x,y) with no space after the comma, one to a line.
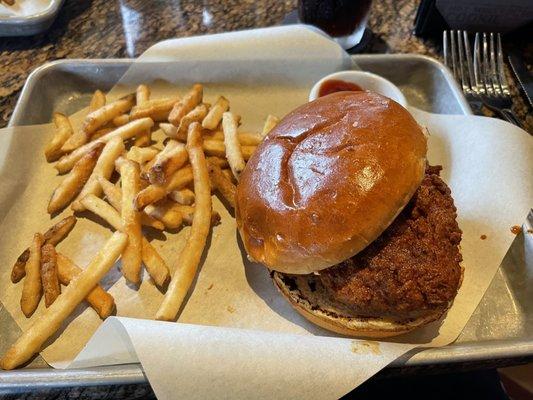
(133,373)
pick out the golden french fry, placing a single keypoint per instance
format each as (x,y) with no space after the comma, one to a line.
(221,162)
(74,181)
(131,220)
(182,196)
(53,235)
(62,133)
(224,185)
(104,168)
(113,195)
(181,108)
(105,114)
(187,213)
(245,138)
(101,132)
(190,255)
(32,289)
(143,139)
(197,114)
(169,130)
(121,120)
(229,175)
(50,321)
(77,139)
(101,301)
(141,155)
(178,180)
(214,116)
(169,160)
(97,101)
(127,131)
(232,145)
(217,148)
(49,279)
(142,94)
(164,211)
(270,122)
(154,264)
(157,109)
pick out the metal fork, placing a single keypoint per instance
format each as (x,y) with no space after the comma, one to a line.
(481,73)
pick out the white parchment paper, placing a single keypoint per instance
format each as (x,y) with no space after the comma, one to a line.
(236,336)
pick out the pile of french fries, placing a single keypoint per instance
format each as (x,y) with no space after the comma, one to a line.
(115,167)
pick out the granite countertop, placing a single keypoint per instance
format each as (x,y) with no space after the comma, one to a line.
(125,28)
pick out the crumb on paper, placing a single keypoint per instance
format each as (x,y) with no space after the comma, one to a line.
(230,309)
(365,347)
(210,286)
(516,229)
(483,237)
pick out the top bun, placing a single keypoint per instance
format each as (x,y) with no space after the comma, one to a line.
(328,180)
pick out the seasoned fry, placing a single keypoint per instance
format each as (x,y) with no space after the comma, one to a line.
(197,114)
(104,168)
(113,195)
(62,133)
(182,196)
(232,145)
(169,160)
(229,175)
(44,327)
(224,186)
(217,148)
(143,139)
(142,94)
(164,211)
(127,131)
(169,130)
(32,289)
(245,138)
(49,277)
(101,132)
(74,181)
(97,101)
(154,264)
(214,116)
(181,108)
(53,235)
(157,109)
(131,221)
(121,120)
(101,301)
(141,155)
(190,255)
(105,114)
(270,122)
(178,180)
(221,162)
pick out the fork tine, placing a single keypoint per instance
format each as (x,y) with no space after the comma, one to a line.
(501,70)
(445,49)
(473,83)
(493,71)
(485,74)
(478,66)
(464,80)
(454,56)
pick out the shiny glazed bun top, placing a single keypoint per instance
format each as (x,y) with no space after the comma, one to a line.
(328,180)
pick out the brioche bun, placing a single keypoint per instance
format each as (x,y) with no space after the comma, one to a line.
(328,180)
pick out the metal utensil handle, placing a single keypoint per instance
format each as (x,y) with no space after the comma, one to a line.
(505,114)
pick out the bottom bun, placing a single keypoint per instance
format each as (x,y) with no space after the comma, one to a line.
(351,325)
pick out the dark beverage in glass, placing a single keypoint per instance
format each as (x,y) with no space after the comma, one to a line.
(344,20)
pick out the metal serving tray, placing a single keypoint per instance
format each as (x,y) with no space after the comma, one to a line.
(500,332)
(30,24)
